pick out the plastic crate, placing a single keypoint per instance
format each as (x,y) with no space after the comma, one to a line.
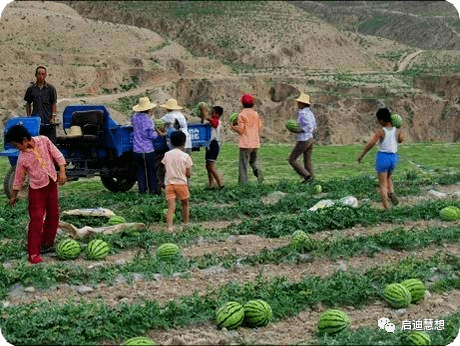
(200,136)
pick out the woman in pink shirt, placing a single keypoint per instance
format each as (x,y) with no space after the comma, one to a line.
(37,159)
(249,127)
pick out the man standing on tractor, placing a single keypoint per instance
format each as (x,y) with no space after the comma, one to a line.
(41,100)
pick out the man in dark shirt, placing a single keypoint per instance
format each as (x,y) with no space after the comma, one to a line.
(41,100)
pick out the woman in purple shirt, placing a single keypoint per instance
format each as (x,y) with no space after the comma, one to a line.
(144,132)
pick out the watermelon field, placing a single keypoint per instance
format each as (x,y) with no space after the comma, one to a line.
(238,248)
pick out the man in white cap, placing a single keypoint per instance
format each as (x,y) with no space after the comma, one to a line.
(305,138)
(176,120)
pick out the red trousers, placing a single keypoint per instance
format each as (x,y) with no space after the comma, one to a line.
(44,217)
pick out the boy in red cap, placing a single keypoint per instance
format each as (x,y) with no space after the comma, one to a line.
(249,127)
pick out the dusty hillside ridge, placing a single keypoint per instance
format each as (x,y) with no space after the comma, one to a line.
(98,61)
(408,22)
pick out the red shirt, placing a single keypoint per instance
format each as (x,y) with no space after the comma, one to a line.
(38,164)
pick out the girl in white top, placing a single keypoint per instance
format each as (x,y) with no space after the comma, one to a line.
(387,158)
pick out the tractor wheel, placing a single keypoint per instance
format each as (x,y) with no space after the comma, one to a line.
(8,184)
(119,183)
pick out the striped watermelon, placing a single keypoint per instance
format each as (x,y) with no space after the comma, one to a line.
(230,315)
(257,313)
(418,339)
(292,125)
(140,341)
(68,249)
(197,110)
(396,120)
(333,321)
(159,124)
(168,251)
(397,296)
(97,249)
(450,213)
(233,118)
(116,220)
(416,289)
(299,238)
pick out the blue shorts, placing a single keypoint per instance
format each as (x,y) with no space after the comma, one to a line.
(386,162)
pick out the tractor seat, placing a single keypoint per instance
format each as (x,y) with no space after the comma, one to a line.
(91,124)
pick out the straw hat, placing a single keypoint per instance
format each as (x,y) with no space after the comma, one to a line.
(304,98)
(74,131)
(171,104)
(144,105)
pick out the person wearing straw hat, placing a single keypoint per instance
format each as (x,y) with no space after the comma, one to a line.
(143,151)
(305,138)
(176,121)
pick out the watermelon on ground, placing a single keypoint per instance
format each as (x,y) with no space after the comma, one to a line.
(68,249)
(416,289)
(97,249)
(450,213)
(333,321)
(397,296)
(116,220)
(230,315)
(396,120)
(419,339)
(140,341)
(318,189)
(257,313)
(299,238)
(168,251)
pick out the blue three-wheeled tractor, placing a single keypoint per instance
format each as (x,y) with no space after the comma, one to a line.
(103,148)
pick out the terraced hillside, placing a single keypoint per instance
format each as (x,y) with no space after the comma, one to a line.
(172,49)
(423,24)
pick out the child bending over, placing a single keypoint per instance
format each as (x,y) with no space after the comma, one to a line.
(36,160)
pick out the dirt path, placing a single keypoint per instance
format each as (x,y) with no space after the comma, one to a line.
(202,281)
(406,60)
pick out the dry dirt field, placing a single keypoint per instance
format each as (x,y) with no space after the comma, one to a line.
(95,61)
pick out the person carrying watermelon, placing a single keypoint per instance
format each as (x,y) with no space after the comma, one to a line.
(37,160)
(306,122)
(249,128)
(387,157)
(212,150)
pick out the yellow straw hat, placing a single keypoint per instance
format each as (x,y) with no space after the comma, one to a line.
(74,131)
(304,98)
(144,105)
(171,104)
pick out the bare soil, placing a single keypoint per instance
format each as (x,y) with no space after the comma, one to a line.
(98,68)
